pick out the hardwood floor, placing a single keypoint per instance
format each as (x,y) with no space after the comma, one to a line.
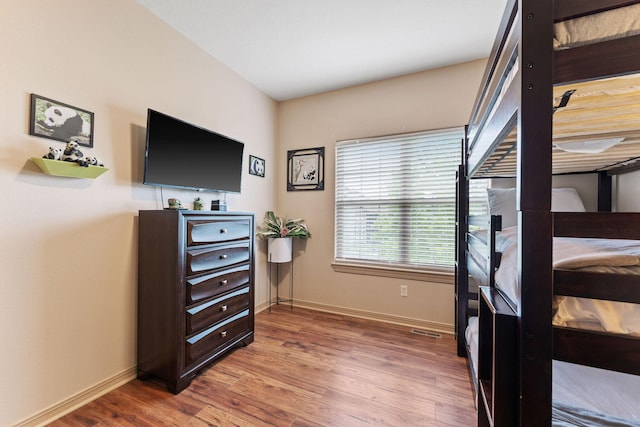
(306,368)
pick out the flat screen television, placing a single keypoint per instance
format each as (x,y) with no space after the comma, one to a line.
(182,155)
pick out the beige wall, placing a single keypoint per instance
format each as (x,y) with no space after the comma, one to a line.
(627,192)
(434,99)
(68,254)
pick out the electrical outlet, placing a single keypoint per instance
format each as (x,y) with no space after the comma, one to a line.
(404,290)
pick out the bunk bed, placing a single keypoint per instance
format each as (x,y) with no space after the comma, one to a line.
(554,99)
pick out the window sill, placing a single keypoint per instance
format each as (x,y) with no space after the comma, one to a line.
(434,276)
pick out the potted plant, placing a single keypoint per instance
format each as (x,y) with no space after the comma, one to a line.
(197,204)
(280,232)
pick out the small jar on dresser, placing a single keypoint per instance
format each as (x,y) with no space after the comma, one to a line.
(195,291)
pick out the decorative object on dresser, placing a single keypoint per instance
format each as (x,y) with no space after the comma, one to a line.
(197,204)
(174,203)
(218,205)
(195,291)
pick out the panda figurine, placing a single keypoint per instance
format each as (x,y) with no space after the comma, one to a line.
(71,153)
(53,154)
(94,161)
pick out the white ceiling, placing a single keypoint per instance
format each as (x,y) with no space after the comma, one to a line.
(293,48)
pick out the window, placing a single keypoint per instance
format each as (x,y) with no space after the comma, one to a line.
(395,200)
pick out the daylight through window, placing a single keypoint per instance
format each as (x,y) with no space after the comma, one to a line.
(395,199)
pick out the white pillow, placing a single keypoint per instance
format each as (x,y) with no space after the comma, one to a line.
(566,200)
(502,201)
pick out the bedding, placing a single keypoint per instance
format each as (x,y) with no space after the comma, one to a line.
(597,255)
(582,395)
(608,25)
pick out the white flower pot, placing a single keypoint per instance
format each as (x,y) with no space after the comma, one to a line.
(279,249)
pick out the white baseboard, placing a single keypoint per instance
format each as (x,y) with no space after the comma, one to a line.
(442,328)
(79,399)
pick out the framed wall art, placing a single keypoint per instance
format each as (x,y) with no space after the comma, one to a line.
(305,169)
(56,120)
(256,166)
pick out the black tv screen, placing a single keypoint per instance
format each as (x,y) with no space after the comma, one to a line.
(179,154)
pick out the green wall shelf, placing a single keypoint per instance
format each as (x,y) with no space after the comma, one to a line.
(69,169)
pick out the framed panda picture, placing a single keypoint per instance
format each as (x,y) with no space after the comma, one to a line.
(256,166)
(305,169)
(59,121)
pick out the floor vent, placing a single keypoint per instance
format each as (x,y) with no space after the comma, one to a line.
(426,333)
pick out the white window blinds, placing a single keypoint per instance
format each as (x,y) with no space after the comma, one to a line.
(395,199)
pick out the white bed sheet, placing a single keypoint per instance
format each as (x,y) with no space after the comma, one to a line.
(594,390)
(599,255)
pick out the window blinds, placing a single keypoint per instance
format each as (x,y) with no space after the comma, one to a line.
(395,199)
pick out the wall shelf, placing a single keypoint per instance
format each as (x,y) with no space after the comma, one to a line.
(69,169)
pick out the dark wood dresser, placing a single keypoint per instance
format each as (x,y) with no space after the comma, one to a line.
(195,291)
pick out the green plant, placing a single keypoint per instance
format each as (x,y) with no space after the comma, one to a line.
(275,226)
(197,204)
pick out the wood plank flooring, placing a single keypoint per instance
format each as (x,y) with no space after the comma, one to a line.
(306,368)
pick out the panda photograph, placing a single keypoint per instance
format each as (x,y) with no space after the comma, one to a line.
(56,120)
(256,166)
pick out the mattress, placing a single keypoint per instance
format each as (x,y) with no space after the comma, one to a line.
(582,395)
(596,255)
(608,25)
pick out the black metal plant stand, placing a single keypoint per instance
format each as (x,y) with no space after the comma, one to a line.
(278,300)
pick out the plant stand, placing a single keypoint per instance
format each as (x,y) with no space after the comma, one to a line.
(280,252)
(277,299)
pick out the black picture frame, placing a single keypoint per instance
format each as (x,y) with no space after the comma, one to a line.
(59,121)
(256,166)
(305,169)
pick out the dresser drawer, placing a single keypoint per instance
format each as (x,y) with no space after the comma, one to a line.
(199,260)
(210,339)
(207,232)
(209,285)
(210,312)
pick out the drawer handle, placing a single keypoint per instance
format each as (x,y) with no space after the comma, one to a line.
(223,231)
(223,308)
(223,334)
(223,256)
(223,282)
